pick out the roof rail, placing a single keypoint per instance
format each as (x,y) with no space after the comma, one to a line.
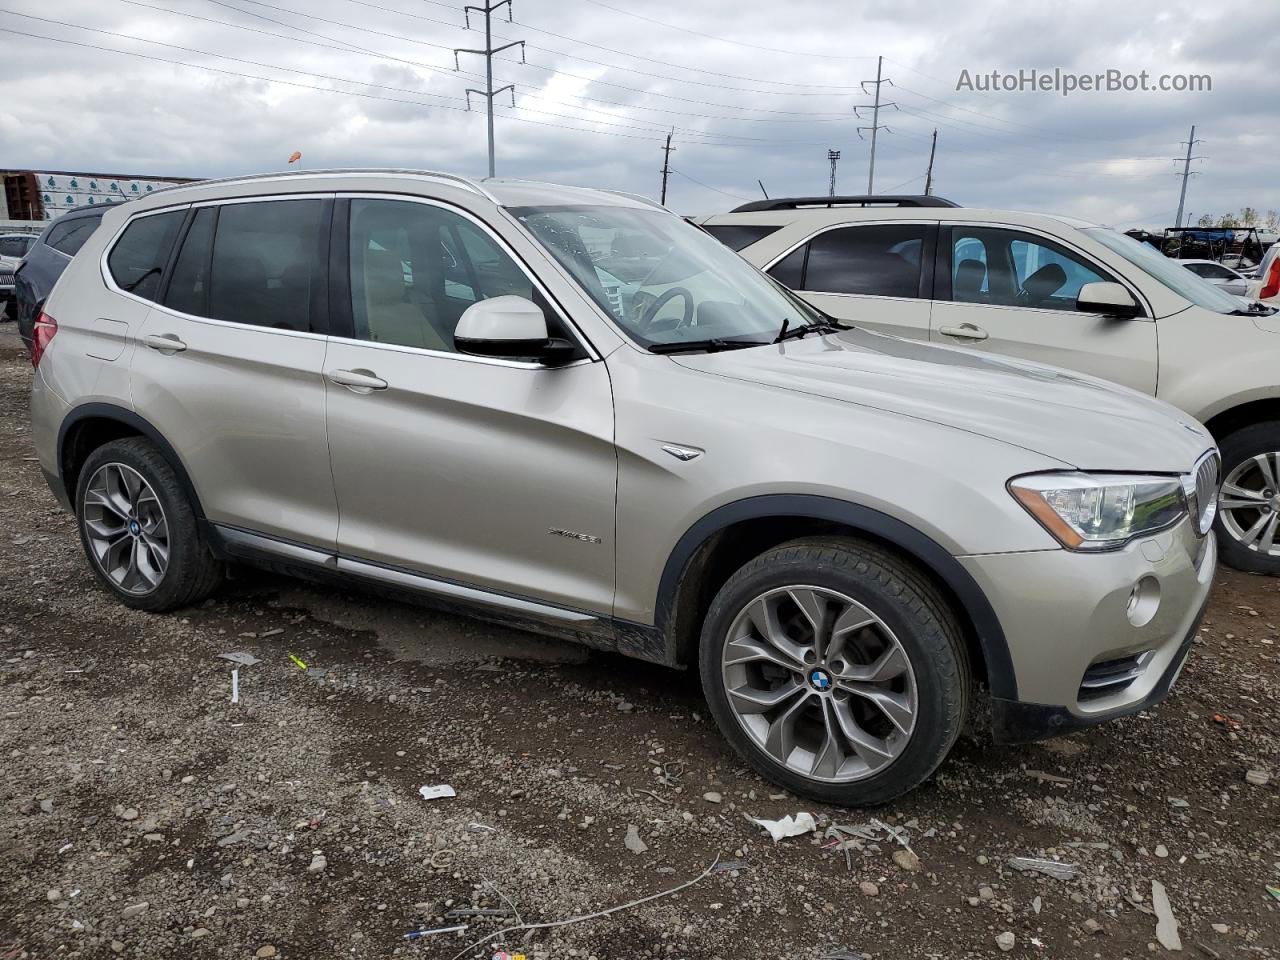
(875,200)
(466,183)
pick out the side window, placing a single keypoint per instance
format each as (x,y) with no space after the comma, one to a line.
(789,271)
(189,284)
(68,238)
(739,236)
(415,268)
(880,260)
(269,262)
(1006,268)
(138,258)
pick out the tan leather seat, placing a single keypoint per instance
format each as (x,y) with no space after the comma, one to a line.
(391,318)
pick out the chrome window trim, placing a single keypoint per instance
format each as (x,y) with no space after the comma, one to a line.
(103,267)
(593,355)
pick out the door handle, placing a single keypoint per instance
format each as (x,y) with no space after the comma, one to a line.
(357,381)
(164,342)
(966,331)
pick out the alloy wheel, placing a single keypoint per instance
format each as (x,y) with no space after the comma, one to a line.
(1250,503)
(126,528)
(820,683)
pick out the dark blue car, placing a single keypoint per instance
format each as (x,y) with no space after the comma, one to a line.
(46,260)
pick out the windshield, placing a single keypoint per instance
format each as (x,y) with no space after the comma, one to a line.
(1169,272)
(663,281)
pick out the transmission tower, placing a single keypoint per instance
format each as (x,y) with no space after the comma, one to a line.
(488,52)
(876,126)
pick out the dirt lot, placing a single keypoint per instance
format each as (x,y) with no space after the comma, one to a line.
(143,814)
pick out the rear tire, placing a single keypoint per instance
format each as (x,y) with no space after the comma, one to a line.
(1248,523)
(139,531)
(864,687)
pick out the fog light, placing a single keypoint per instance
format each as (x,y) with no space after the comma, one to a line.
(1144,601)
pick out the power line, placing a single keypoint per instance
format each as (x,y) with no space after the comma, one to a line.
(708,186)
(488,53)
(712,36)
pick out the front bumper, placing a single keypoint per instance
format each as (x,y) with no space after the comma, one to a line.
(1064,613)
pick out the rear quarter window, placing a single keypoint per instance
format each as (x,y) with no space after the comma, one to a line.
(137,260)
(739,236)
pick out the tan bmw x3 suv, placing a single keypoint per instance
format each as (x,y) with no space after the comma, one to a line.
(569,410)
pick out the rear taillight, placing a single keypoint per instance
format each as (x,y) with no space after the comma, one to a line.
(41,335)
(1271,285)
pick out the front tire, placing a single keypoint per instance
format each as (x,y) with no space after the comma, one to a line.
(139,530)
(836,669)
(1249,507)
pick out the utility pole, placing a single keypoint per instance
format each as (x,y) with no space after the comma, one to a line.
(928,177)
(876,126)
(666,166)
(489,50)
(834,157)
(1186,173)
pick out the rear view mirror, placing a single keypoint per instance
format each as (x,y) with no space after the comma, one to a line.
(1112,299)
(511,328)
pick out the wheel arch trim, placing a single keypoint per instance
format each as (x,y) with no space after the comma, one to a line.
(126,417)
(922,548)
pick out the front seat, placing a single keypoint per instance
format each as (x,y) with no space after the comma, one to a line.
(1041,285)
(967,285)
(391,318)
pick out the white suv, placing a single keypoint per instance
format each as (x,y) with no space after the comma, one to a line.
(1053,289)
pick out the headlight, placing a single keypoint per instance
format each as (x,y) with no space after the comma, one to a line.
(1096,511)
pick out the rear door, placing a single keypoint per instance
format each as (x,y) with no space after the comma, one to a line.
(1013,291)
(228,364)
(496,474)
(876,275)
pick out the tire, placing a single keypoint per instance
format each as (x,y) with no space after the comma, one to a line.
(1238,521)
(133,567)
(817,760)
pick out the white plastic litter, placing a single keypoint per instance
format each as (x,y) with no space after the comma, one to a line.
(436,792)
(790,826)
(235,685)
(240,657)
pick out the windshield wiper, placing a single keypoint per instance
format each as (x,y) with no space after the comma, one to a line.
(824,325)
(711,345)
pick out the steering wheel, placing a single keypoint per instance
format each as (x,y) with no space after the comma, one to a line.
(650,313)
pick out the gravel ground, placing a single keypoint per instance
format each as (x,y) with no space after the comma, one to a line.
(143,814)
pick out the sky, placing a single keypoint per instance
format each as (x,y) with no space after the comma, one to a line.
(754,91)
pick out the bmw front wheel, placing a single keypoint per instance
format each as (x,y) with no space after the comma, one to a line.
(836,669)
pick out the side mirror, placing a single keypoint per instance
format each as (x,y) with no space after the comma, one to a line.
(510,328)
(1112,299)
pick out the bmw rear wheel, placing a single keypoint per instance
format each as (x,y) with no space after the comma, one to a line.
(139,529)
(836,669)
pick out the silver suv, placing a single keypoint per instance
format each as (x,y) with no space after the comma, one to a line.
(569,410)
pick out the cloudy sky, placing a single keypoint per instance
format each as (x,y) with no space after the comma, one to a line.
(754,90)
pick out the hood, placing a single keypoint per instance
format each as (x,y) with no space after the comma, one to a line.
(1079,420)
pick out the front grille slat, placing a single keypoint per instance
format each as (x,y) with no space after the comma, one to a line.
(1208,480)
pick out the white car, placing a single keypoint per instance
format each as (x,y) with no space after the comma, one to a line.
(1266,286)
(1052,289)
(1232,281)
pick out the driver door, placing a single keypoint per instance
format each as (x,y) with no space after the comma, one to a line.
(1014,292)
